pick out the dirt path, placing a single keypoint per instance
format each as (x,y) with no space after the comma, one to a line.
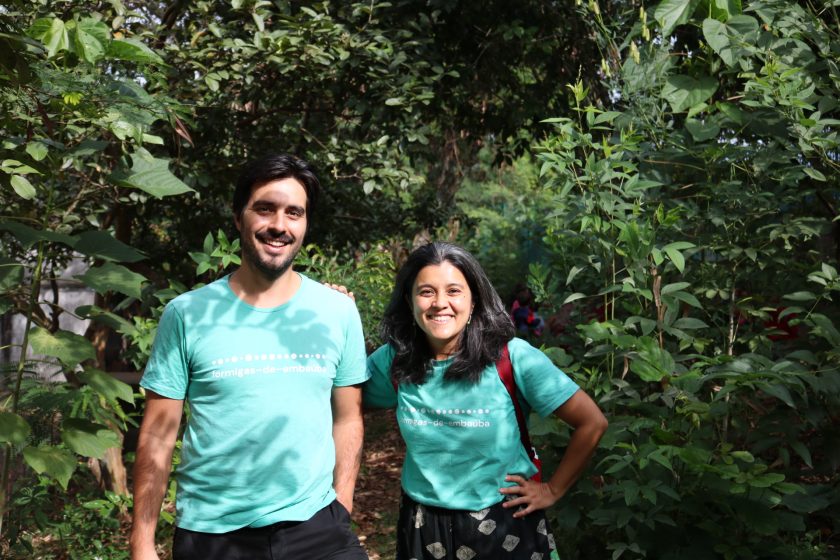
(378,488)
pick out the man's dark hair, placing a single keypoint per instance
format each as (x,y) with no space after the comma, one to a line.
(482,340)
(272,167)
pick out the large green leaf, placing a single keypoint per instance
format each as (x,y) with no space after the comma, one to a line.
(652,363)
(671,13)
(728,39)
(11,274)
(823,326)
(91,39)
(13,428)
(51,461)
(107,385)
(132,50)
(23,187)
(676,258)
(68,347)
(702,130)
(99,315)
(150,174)
(103,245)
(724,9)
(684,92)
(52,33)
(112,277)
(29,236)
(88,439)
(647,371)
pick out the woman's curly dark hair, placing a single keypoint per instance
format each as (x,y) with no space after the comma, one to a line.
(482,340)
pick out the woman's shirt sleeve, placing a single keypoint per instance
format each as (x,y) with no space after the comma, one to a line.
(543,384)
(378,391)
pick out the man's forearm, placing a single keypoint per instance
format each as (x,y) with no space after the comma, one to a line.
(151,470)
(151,475)
(348,435)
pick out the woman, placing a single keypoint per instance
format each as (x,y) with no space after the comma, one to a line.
(467,488)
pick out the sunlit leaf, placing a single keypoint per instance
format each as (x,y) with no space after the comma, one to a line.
(37,150)
(107,385)
(150,174)
(573,297)
(728,39)
(52,33)
(676,258)
(671,13)
(112,277)
(91,38)
(23,187)
(68,347)
(51,461)
(88,439)
(133,50)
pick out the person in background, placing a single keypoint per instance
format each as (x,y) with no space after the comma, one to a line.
(523,311)
(270,363)
(467,486)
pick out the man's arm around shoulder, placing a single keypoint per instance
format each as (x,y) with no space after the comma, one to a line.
(151,470)
(348,433)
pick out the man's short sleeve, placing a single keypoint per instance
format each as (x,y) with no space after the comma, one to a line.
(351,368)
(167,371)
(543,384)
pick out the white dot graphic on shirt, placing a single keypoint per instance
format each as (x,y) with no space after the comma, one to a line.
(294,356)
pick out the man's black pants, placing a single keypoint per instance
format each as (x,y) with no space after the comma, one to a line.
(326,536)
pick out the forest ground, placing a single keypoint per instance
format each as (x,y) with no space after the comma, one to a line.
(378,487)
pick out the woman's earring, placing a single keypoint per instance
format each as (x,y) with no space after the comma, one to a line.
(469,319)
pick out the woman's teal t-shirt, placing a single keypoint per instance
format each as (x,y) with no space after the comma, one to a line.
(462,438)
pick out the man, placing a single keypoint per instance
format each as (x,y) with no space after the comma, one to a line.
(270,363)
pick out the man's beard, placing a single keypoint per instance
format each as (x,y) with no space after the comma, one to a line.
(269,270)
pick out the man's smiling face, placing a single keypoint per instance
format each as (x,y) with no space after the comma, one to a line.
(272,226)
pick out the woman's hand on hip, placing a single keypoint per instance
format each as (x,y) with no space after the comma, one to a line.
(531,494)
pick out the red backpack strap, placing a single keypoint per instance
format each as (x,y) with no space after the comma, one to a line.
(505,369)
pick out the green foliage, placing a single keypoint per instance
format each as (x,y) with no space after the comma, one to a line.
(75,125)
(85,528)
(678,223)
(368,274)
(503,215)
(686,217)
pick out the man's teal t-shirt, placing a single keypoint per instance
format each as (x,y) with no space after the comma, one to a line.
(462,438)
(258,446)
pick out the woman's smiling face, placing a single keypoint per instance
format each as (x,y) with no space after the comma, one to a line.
(442,304)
